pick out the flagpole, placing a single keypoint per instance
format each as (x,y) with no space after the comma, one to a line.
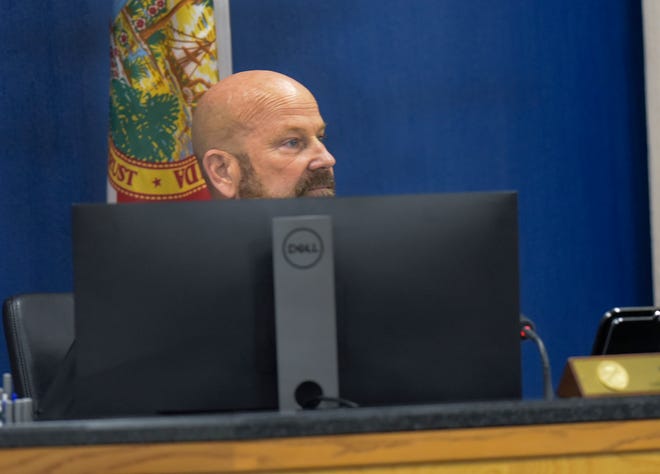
(651,19)
(223,37)
(110,194)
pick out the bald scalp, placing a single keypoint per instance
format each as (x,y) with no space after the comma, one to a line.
(234,106)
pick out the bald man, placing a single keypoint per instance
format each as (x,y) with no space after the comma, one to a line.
(259,134)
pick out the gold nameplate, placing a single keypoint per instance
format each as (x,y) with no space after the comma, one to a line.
(611,375)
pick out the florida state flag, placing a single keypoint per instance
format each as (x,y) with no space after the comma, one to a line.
(163,58)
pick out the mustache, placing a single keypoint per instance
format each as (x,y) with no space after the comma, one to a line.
(322,178)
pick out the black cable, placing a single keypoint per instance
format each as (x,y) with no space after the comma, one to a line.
(341,402)
(527,332)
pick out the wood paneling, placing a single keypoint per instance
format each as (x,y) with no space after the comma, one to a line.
(606,447)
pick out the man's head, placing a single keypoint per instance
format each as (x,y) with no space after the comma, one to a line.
(260,134)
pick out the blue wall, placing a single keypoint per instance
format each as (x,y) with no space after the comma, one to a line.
(420,96)
(54,70)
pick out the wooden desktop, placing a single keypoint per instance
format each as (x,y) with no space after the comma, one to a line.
(615,435)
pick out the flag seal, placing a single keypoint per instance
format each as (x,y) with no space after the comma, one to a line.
(163,58)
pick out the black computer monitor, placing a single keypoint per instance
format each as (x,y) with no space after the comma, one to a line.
(174,302)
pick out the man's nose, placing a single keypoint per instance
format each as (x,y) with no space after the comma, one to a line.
(321,158)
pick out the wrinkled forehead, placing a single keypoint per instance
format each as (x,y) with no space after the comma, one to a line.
(248,102)
(275,102)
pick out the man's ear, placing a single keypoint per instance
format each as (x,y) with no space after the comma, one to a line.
(223,173)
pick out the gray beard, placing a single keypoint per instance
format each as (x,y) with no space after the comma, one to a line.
(251,187)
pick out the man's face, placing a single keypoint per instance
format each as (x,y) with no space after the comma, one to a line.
(284,155)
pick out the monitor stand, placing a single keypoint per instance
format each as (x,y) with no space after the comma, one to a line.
(305,323)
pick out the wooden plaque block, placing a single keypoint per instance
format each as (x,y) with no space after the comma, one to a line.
(611,375)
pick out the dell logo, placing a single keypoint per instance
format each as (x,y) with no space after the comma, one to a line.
(307,247)
(302,248)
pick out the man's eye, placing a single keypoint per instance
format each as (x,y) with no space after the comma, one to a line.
(292,143)
(322,137)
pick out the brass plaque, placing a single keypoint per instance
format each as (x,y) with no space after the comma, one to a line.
(611,375)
